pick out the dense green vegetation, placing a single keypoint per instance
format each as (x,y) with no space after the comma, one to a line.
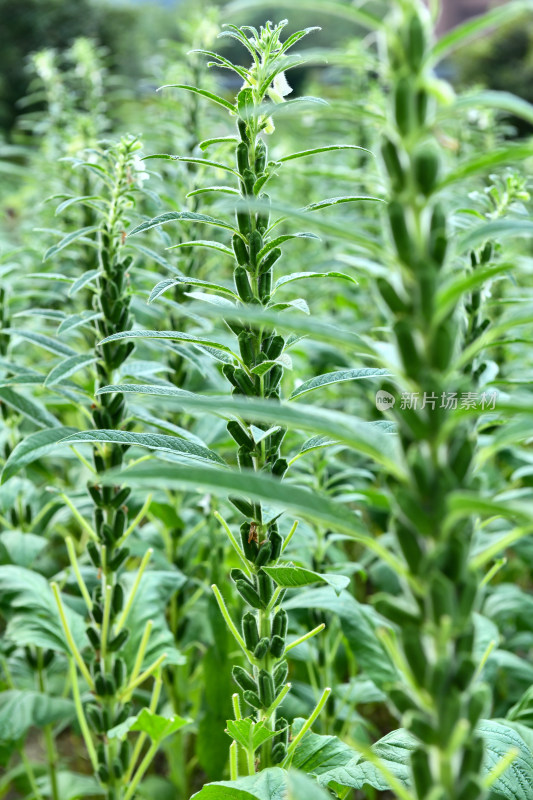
(265,386)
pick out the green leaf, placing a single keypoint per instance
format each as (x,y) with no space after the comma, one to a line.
(72,200)
(285,238)
(46,342)
(335,201)
(335,8)
(34,446)
(224,482)
(162,286)
(187,216)
(318,754)
(153,441)
(298,276)
(22,709)
(68,367)
(336,377)
(248,733)
(269,784)
(28,603)
(302,787)
(157,727)
(203,92)
(75,320)
(359,623)
(290,577)
(494,230)
(501,101)
(221,248)
(175,335)
(462,34)
(139,388)
(327,148)
(83,280)
(67,240)
(34,411)
(395,749)
(200,161)
(487,161)
(22,548)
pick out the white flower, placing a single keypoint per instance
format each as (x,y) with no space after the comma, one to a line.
(280,88)
(138,172)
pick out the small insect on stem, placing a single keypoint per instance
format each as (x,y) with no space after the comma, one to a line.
(253,535)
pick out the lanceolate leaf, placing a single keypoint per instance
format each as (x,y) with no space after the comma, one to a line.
(335,201)
(176,335)
(337,377)
(31,409)
(180,216)
(32,447)
(316,150)
(285,238)
(290,577)
(69,239)
(495,230)
(161,287)
(221,248)
(223,482)
(68,367)
(153,441)
(299,276)
(203,92)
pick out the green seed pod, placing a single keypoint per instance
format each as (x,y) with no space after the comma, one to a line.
(391,297)
(275,439)
(400,233)
(125,753)
(238,575)
(262,217)
(404,105)
(239,435)
(96,495)
(442,346)
(249,594)
(426,167)
(244,222)
(118,769)
(472,756)
(487,253)
(400,698)
(243,129)
(242,284)
(110,687)
(441,592)
(48,657)
(245,459)
(119,640)
(460,459)
(472,790)
(100,685)
(416,43)
(277,646)
(119,524)
(260,157)
(243,679)
(276,542)
(252,699)
(246,346)
(391,607)
(244,382)
(243,506)
(243,161)
(280,467)
(255,244)
(273,346)
(264,554)
(279,623)
(422,777)
(274,377)
(93,636)
(410,546)
(422,729)
(103,773)
(393,165)
(266,688)
(265,287)
(98,613)
(415,654)
(94,554)
(279,751)
(407,347)
(261,649)
(421,106)
(248,537)
(101,754)
(269,260)
(121,497)
(119,557)
(240,250)
(465,672)
(438,241)
(281,673)
(118,599)
(94,717)
(266,587)
(248,181)
(119,671)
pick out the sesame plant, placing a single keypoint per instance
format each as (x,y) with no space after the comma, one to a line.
(260,545)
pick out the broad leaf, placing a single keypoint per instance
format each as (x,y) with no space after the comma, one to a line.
(290,577)
(22,709)
(157,727)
